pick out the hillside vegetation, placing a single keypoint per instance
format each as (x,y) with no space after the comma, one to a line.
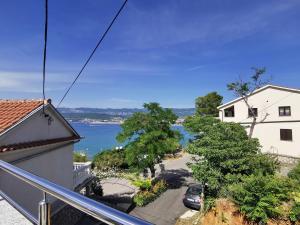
(233,167)
(225,212)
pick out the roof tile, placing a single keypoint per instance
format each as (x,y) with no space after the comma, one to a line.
(11,111)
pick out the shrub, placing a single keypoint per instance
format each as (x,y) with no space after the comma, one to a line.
(110,160)
(144,197)
(143,184)
(159,187)
(295,212)
(260,197)
(295,173)
(80,157)
(209,203)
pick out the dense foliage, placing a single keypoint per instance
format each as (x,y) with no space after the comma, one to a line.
(144,197)
(225,153)
(80,157)
(110,160)
(149,136)
(295,173)
(295,212)
(231,165)
(207,105)
(260,197)
(143,184)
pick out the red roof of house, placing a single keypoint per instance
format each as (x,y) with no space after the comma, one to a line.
(12,111)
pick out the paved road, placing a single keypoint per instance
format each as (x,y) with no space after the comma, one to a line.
(165,210)
(168,207)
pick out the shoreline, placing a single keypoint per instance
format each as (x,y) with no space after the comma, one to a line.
(107,123)
(97,122)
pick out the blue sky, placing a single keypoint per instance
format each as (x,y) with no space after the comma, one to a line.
(167,51)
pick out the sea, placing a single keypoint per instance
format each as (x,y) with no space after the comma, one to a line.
(99,137)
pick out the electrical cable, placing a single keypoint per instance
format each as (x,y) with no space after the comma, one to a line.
(45,51)
(94,50)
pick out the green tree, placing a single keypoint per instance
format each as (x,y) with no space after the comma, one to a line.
(80,157)
(261,197)
(149,136)
(224,153)
(207,105)
(244,89)
(110,160)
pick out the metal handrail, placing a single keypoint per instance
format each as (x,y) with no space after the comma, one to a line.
(93,208)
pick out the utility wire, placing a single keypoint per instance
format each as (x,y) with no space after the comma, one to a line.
(91,55)
(45,50)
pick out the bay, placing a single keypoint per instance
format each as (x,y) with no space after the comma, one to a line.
(98,137)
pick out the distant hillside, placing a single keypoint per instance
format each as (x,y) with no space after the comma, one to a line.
(78,114)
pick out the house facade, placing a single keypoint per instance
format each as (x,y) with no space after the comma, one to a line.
(35,137)
(277,112)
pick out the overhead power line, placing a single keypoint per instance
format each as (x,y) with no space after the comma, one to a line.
(45,48)
(91,55)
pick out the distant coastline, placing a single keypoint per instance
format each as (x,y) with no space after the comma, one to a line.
(96,122)
(112,122)
(97,116)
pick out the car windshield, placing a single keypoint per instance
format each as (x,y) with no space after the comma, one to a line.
(194,190)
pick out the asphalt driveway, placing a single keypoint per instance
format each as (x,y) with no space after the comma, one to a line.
(165,210)
(168,207)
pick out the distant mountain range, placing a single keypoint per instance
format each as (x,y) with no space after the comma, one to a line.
(108,114)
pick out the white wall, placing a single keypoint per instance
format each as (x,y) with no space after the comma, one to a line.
(56,166)
(269,138)
(53,162)
(269,123)
(267,102)
(36,128)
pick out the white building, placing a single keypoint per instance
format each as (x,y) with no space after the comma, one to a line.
(35,137)
(277,110)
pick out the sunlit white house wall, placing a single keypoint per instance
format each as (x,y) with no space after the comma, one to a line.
(277,110)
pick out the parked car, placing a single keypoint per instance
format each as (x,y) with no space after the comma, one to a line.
(192,197)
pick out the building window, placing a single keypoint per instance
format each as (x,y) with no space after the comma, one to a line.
(284,110)
(229,112)
(286,134)
(254,110)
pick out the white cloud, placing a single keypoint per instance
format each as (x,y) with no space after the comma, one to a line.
(175,24)
(30,82)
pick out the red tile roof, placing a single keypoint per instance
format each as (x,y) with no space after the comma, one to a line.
(32,144)
(12,111)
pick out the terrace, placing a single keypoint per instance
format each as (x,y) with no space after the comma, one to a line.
(93,208)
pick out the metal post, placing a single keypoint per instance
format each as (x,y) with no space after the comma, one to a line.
(44,212)
(202,198)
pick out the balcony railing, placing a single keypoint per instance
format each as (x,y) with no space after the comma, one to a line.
(81,172)
(93,208)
